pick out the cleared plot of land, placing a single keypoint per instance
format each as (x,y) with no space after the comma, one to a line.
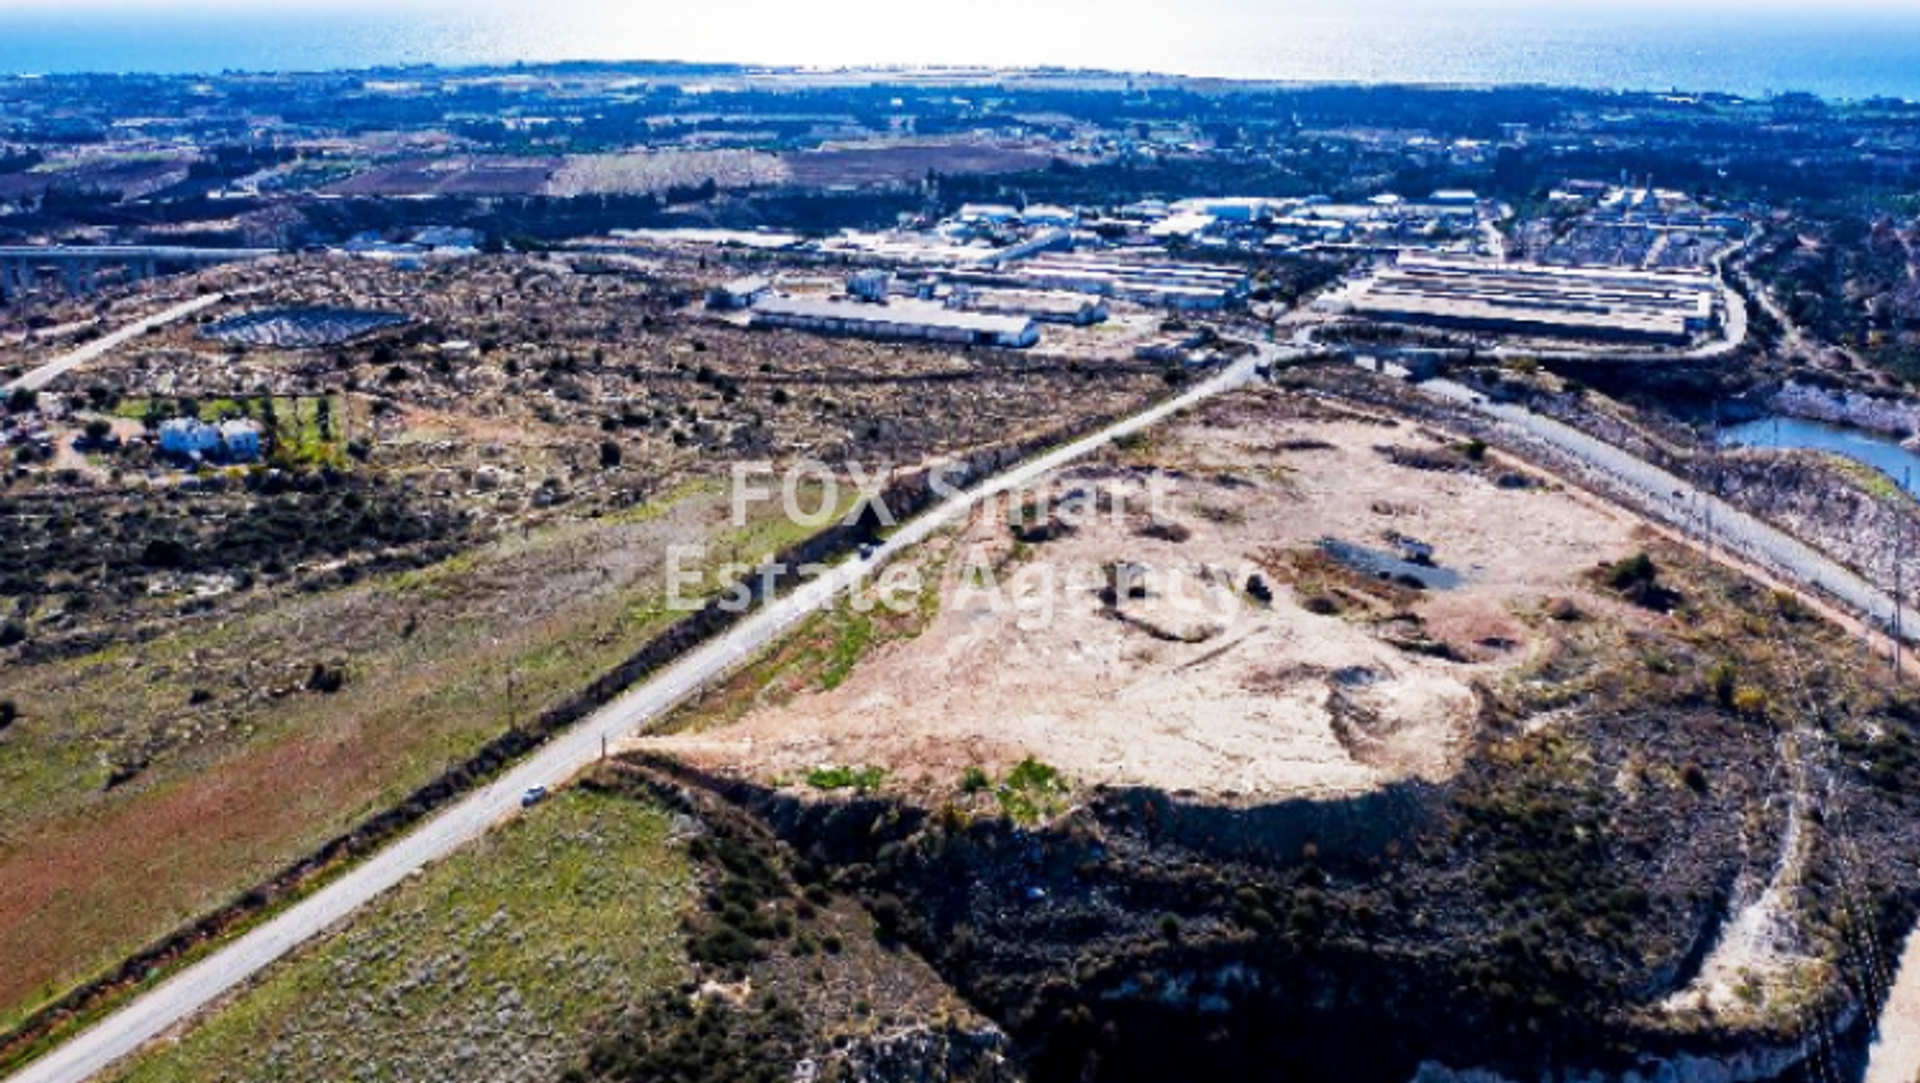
(491,966)
(1352,677)
(646,172)
(468,176)
(129,177)
(907,163)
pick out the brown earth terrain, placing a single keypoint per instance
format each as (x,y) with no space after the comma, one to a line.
(1197,685)
(215,671)
(1551,816)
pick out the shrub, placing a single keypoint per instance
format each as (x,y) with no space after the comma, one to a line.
(974,780)
(12,633)
(861,779)
(1750,701)
(326,679)
(1632,572)
(1724,679)
(9,714)
(1695,777)
(889,913)
(1637,579)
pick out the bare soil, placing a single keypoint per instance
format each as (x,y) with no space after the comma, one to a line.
(1339,686)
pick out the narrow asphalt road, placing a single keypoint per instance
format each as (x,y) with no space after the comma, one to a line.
(1678,503)
(39,378)
(156,1011)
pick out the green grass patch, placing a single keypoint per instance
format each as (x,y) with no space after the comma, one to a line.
(1032,792)
(862,780)
(508,950)
(302,431)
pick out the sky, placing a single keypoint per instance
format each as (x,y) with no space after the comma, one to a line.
(1438,9)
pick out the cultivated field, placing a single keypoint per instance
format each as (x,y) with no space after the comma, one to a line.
(647,172)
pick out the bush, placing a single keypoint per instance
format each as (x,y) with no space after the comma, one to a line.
(889,914)
(1724,679)
(861,780)
(1750,701)
(1637,579)
(1631,572)
(1695,777)
(326,679)
(9,714)
(974,780)
(12,633)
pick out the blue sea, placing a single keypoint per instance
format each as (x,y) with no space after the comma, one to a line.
(1686,45)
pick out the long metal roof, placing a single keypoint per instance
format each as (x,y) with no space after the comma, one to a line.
(893,315)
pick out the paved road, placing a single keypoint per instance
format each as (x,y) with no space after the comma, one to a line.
(39,378)
(157,1010)
(1894,1055)
(1680,504)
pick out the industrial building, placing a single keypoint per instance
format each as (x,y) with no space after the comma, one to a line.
(1046,306)
(1187,286)
(739,293)
(1666,308)
(904,320)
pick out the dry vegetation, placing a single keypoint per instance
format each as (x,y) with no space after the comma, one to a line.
(1249,663)
(211,675)
(625,931)
(1671,816)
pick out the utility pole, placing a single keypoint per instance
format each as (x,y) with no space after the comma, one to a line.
(1899,579)
(513,699)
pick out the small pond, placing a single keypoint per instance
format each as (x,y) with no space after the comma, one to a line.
(1872,448)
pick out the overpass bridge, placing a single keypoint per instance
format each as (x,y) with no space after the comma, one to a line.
(79,266)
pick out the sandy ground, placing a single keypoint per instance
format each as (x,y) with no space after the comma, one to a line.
(1198,685)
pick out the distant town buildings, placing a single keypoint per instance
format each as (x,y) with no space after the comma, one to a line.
(739,293)
(1653,307)
(900,320)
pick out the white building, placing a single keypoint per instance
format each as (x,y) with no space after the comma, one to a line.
(905,320)
(240,441)
(191,438)
(871,286)
(1048,215)
(188,437)
(990,214)
(739,293)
